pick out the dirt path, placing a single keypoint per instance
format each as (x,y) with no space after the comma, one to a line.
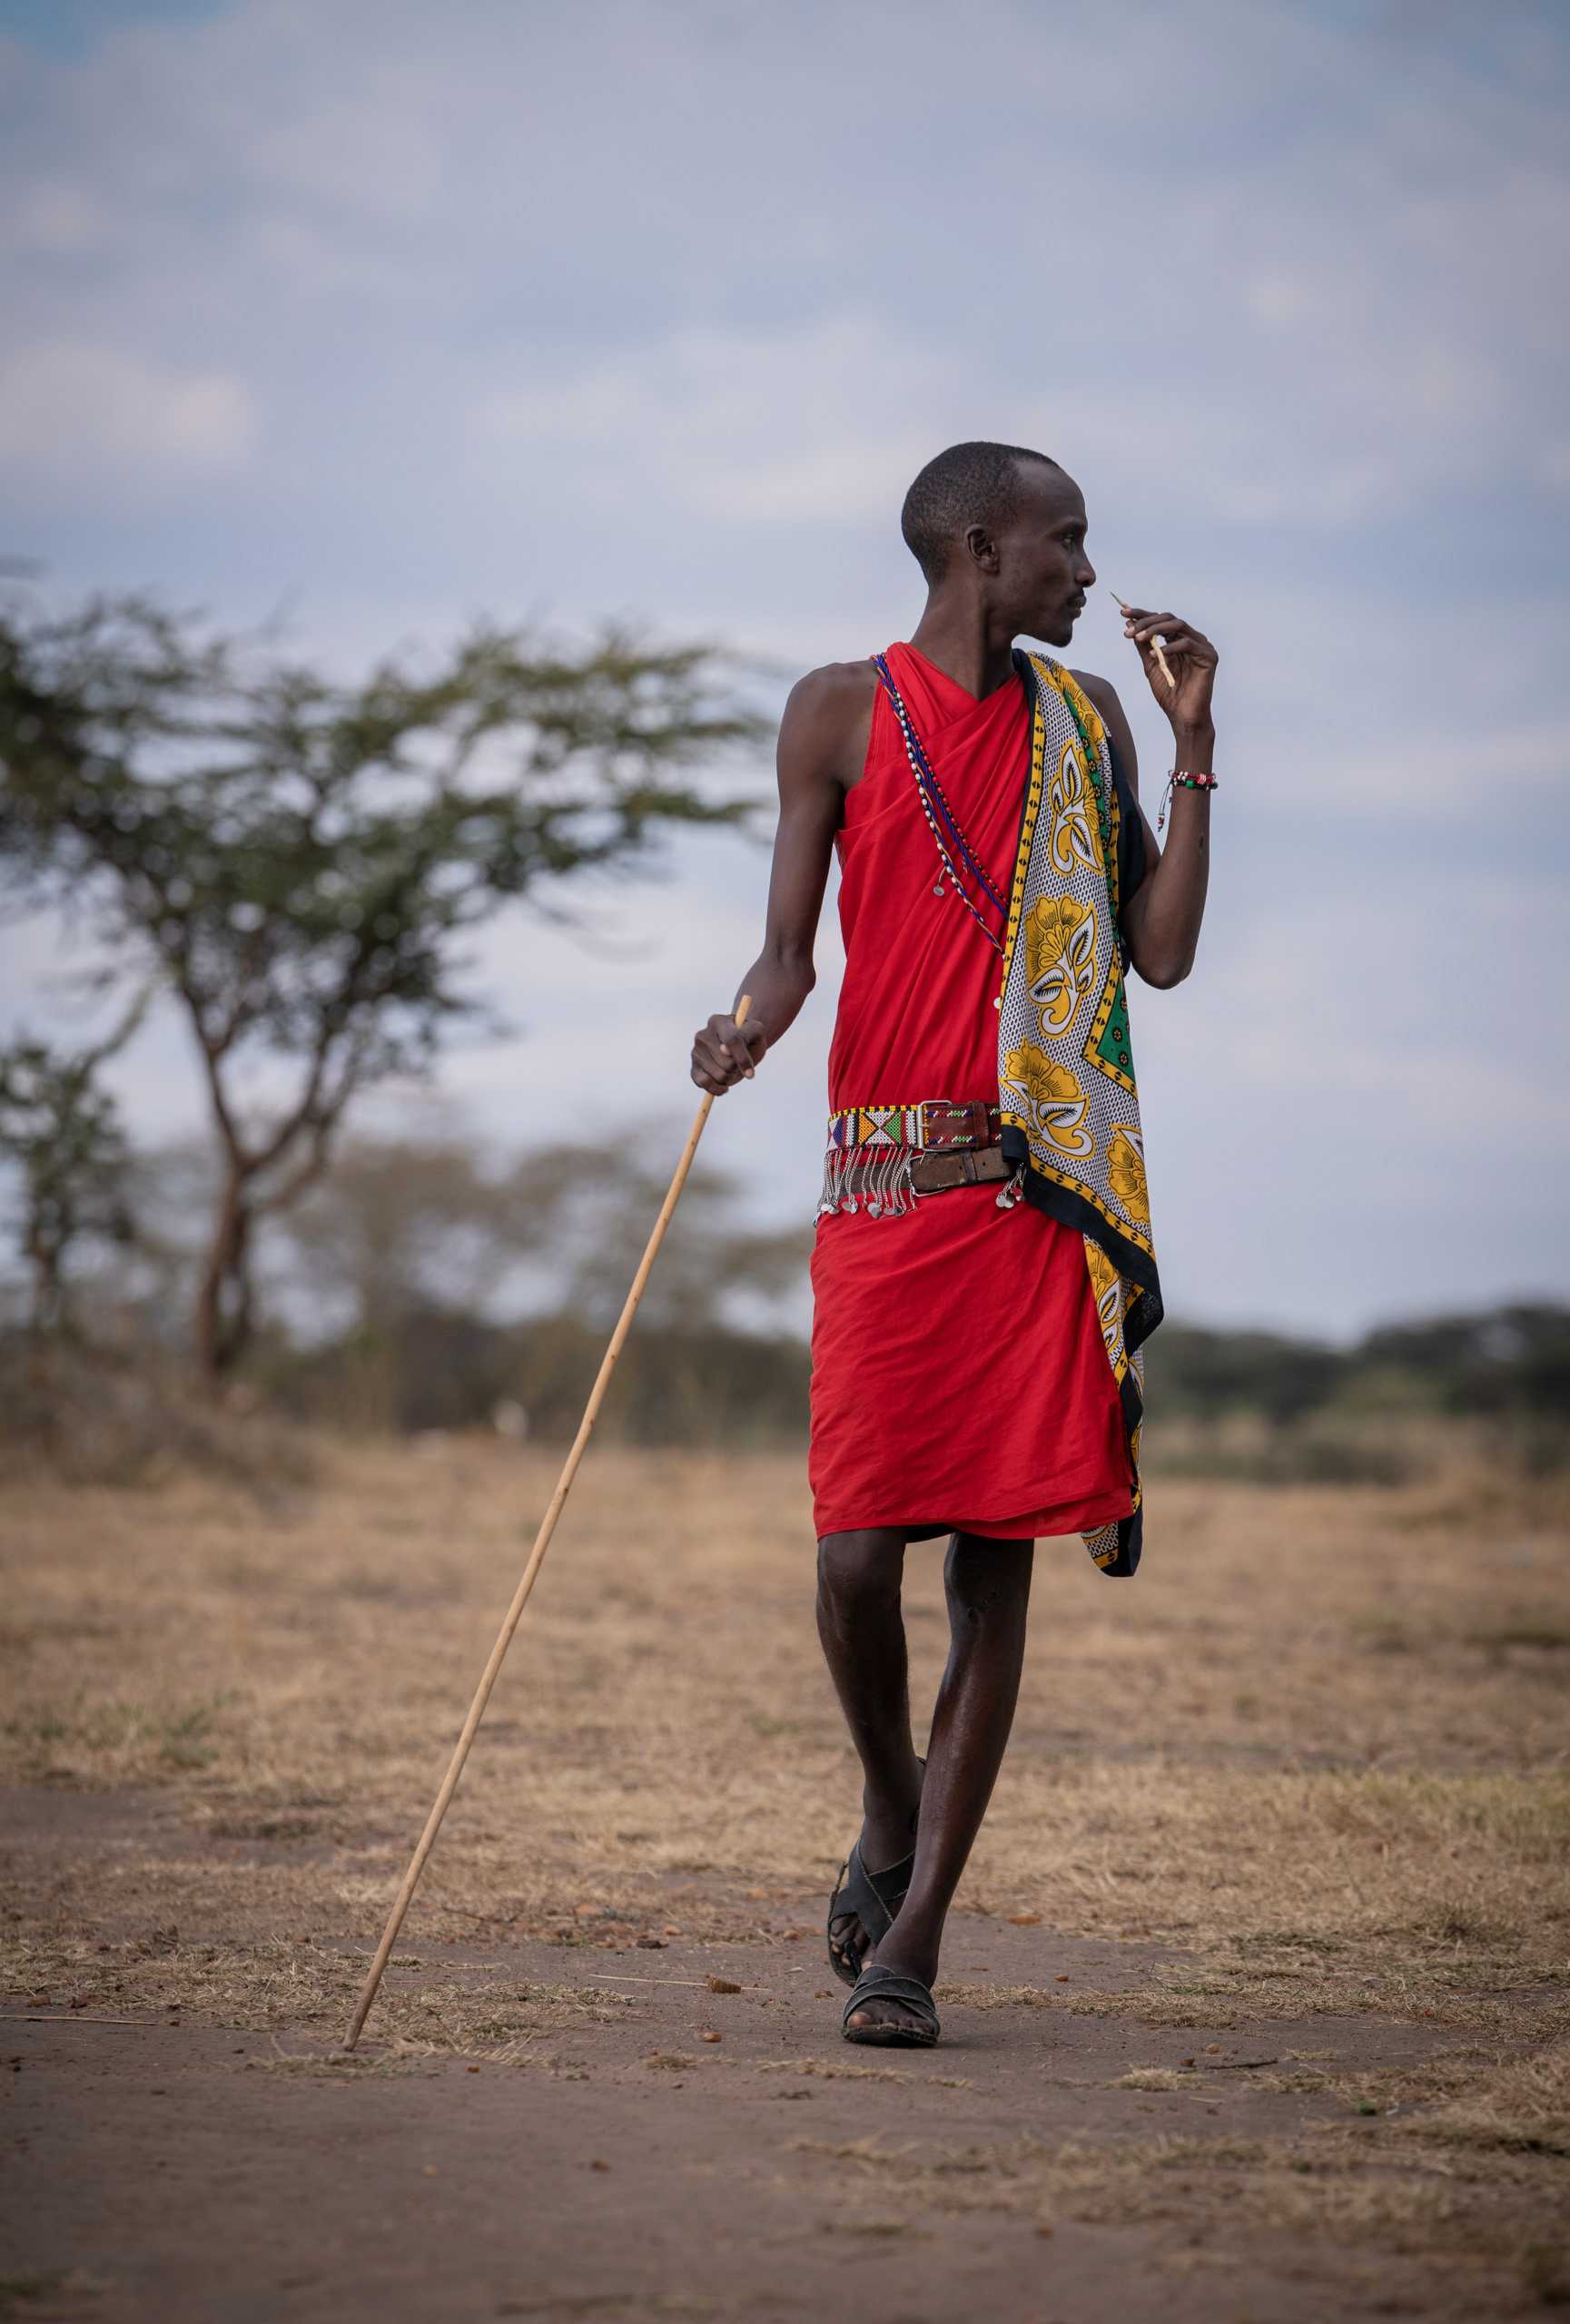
(634,2169)
(618,2162)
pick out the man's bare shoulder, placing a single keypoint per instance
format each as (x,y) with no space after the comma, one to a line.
(827,721)
(839,689)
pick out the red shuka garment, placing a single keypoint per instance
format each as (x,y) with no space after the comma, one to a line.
(959,1378)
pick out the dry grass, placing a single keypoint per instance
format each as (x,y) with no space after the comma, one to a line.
(1477,2179)
(1228,1755)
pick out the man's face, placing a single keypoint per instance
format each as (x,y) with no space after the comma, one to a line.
(1043,572)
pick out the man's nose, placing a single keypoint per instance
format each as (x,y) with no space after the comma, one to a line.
(1086,576)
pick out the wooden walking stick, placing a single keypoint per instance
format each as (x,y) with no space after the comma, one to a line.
(536,1559)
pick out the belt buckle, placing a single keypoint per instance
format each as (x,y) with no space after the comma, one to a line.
(962,1127)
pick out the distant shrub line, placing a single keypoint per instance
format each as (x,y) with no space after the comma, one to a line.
(1257,1407)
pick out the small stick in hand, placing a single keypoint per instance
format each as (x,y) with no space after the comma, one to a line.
(1161,662)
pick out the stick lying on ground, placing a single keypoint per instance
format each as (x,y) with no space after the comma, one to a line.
(1161,662)
(72,2017)
(536,1558)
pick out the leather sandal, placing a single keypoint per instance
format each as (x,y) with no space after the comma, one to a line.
(890,1985)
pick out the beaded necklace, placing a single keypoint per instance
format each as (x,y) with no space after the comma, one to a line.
(934,804)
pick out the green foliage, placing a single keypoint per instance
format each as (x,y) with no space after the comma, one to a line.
(439,1368)
(1502,1361)
(61,1134)
(1201,1372)
(1507,1360)
(1277,1410)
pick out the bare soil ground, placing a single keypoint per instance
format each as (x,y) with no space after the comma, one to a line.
(1257,2004)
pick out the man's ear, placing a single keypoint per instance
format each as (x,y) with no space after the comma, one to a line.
(980,547)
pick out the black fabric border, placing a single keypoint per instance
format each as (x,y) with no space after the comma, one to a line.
(1131,1542)
(1131,863)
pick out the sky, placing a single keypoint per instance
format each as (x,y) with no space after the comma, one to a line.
(378,318)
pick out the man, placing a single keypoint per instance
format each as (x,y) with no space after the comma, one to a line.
(984,1272)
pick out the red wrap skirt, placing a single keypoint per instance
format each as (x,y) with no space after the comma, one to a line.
(959,1377)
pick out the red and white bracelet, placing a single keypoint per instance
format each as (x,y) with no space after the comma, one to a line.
(1176,781)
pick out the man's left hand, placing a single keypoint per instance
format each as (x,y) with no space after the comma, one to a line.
(1191,657)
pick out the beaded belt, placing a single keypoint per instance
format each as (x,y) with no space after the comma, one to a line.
(881,1157)
(936,1124)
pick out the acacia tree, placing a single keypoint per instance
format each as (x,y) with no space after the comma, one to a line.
(61,1132)
(406,1226)
(400,1225)
(452,1285)
(302,859)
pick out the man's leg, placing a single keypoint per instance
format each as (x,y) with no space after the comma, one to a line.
(864,1641)
(988,1585)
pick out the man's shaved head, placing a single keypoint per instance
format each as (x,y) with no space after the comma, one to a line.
(970,484)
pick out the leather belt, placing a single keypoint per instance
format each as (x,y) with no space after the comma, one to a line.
(944,1126)
(935,1173)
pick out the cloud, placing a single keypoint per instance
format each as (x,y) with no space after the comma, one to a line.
(81,417)
(752,427)
(55,217)
(1436,774)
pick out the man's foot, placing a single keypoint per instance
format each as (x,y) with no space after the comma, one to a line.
(891,2011)
(865,1901)
(891,2016)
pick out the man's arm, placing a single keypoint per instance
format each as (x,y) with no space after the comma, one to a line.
(1161,920)
(826,715)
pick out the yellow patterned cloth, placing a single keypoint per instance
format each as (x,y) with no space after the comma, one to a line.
(1071,1107)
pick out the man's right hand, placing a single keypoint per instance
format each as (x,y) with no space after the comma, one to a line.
(724,1053)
